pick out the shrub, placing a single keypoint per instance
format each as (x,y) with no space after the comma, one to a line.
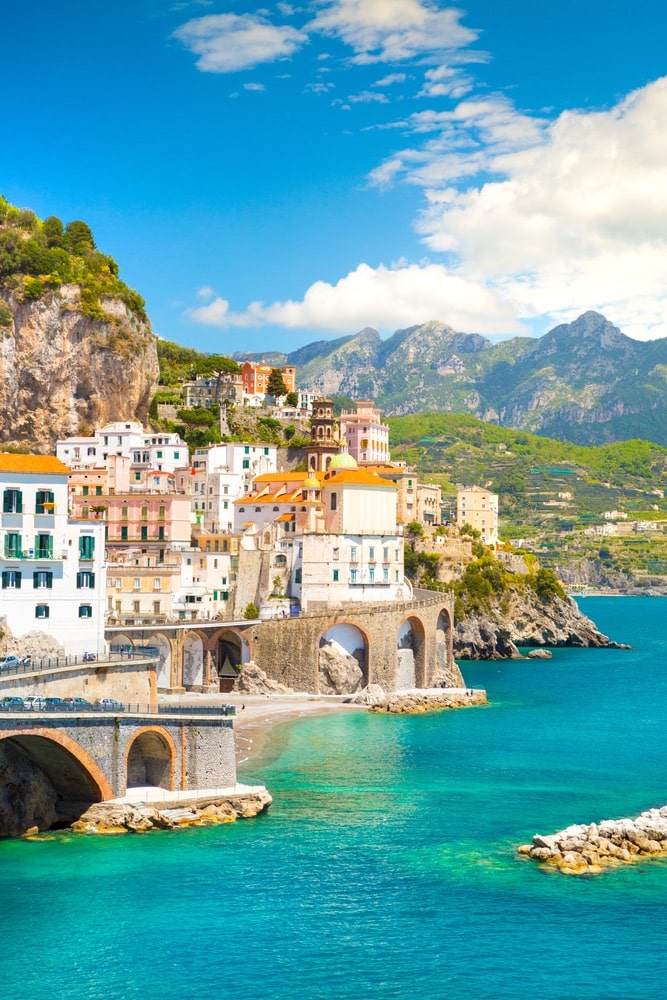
(251,610)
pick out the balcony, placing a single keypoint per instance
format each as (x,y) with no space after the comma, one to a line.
(43,555)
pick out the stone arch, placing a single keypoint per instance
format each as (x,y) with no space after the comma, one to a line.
(122,642)
(150,759)
(165,653)
(343,658)
(193,661)
(54,779)
(230,649)
(443,643)
(411,654)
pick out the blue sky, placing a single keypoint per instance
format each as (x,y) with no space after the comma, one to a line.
(271,174)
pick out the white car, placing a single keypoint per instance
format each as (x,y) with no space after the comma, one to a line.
(35,703)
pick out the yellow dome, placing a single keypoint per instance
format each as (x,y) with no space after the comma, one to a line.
(311,483)
(343,461)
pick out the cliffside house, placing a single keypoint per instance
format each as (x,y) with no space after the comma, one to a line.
(160,452)
(478,507)
(367,438)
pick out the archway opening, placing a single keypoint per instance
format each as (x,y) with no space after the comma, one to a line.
(193,662)
(43,785)
(232,653)
(443,648)
(411,665)
(150,761)
(163,672)
(342,660)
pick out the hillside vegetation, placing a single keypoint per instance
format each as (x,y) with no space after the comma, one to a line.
(37,257)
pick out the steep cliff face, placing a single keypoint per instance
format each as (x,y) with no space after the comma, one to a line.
(62,372)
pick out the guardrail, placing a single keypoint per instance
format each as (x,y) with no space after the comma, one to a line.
(16,704)
(118,654)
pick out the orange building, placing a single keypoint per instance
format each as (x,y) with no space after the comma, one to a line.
(256,377)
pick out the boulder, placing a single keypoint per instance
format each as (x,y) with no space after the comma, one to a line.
(253,680)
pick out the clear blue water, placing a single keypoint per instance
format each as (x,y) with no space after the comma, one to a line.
(386,866)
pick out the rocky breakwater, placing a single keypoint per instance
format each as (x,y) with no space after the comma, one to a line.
(417,701)
(590,849)
(134,817)
(522,619)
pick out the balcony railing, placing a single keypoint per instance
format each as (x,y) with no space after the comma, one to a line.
(44,555)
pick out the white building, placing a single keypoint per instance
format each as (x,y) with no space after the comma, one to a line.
(53,571)
(159,451)
(332,539)
(222,473)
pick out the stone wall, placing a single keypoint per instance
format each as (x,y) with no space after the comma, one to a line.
(287,650)
(130,681)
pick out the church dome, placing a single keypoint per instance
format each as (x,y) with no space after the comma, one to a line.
(311,483)
(343,461)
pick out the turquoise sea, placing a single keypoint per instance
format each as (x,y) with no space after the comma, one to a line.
(386,866)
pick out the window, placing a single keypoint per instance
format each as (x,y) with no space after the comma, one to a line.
(353,576)
(157,583)
(44,502)
(85,611)
(371,552)
(136,607)
(353,553)
(297,575)
(162,513)
(385,574)
(11,579)
(156,607)
(118,583)
(85,580)
(98,491)
(159,454)
(335,576)
(144,532)
(42,611)
(246,463)
(84,491)
(177,454)
(85,513)
(336,554)
(42,578)
(160,533)
(136,583)
(12,502)
(246,450)
(385,555)
(86,547)
(13,545)
(43,546)
(137,477)
(144,513)
(123,514)
(371,573)
(333,501)
(123,533)
(266,451)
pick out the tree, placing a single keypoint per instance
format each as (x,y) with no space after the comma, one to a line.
(276,384)
(250,610)
(79,237)
(292,399)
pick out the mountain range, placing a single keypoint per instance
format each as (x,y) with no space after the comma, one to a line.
(584,381)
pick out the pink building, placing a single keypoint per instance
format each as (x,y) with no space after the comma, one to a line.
(366,436)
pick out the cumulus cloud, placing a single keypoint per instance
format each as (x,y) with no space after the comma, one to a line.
(226,43)
(393,30)
(383,297)
(390,80)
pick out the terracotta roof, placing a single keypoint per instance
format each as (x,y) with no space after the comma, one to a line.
(355,477)
(285,517)
(36,464)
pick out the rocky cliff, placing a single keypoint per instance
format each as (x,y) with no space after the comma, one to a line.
(522,619)
(63,371)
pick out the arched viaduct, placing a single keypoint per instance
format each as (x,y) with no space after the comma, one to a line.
(398,645)
(76,761)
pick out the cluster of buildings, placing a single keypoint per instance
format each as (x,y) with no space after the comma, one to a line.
(128,527)
(248,387)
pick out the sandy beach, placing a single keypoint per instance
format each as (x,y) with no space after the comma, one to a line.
(257,713)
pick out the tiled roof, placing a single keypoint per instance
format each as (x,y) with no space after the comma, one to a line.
(356,477)
(36,464)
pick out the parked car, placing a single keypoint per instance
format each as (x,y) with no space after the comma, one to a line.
(77,704)
(14,704)
(53,704)
(109,705)
(35,703)
(9,662)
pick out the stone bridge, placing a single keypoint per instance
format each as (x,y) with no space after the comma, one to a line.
(398,645)
(72,761)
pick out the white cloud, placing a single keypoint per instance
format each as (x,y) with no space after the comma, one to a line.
(257,87)
(393,30)
(205,293)
(368,97)
(226,43)
(390,80)
(446,81)
(381,297)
